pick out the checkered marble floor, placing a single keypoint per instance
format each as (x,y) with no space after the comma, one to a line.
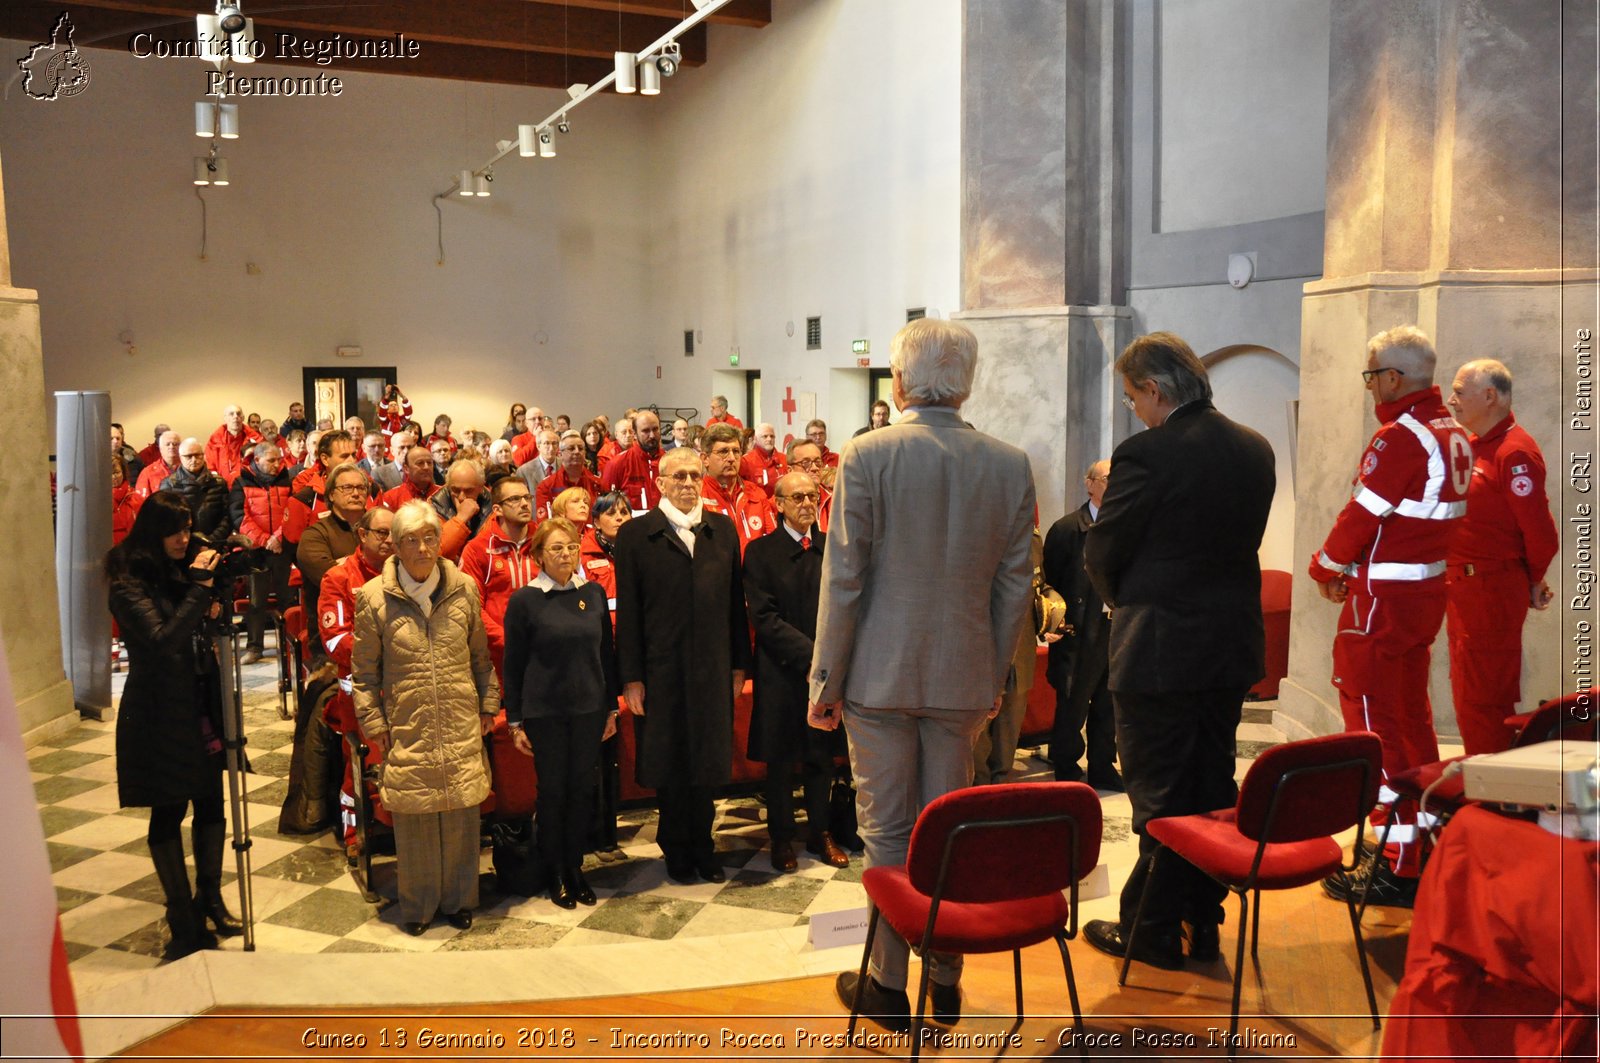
(306,900)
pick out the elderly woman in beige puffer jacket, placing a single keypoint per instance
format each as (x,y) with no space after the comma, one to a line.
(425,694)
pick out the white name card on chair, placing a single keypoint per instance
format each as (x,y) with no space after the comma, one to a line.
(1096,883)
(848,926)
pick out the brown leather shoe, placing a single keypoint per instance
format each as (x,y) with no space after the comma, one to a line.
(827,850)
(783,857)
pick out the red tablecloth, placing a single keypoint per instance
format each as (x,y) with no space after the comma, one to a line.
(1502,958)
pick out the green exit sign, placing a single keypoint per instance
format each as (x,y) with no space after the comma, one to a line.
(733,357)
(860,346)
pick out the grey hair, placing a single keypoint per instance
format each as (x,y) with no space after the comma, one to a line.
(344,468)
(936,361)
(415,516)
(468,464)
(1493,372)
(1165,358)
(1406,348)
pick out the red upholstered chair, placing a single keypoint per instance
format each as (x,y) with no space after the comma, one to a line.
(985,872)
(1275,594)
(1278,837)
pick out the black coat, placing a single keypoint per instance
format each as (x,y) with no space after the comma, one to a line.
(172,684)
(207,496)
(782,583)
(1175,554)
(681,631)
(1082,653)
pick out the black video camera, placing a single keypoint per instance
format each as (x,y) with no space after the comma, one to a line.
(240,557)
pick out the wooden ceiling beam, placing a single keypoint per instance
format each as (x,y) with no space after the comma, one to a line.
(752,13)
(516,25)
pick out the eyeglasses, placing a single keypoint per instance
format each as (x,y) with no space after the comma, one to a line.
(1127,403)
(506,501)
(429,539)
(359,489)
(562,551)
(1368,374)
(808,464)
(378,534)
(801,497)
(687,476)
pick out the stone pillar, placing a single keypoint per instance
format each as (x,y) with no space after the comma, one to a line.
(30,622)
(1461,198)
(1041,252)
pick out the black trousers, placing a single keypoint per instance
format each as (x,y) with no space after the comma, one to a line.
(608,786)
(1083,704)
(273,581)
(566,754)
(1177,759)
(687,814)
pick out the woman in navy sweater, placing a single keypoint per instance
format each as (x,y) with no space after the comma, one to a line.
(561,699)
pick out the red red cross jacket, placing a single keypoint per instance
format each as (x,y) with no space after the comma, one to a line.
(1408,499)
(633,472)
(1508,515)
(747,506)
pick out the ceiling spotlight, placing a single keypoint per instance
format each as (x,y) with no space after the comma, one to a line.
(670,59)
(625,63)
(229,18)
(563,126)
(527,137)
(576,89)
(547,144)
(649,79)
(205,119)
(480,186)
(464,183)
(228,126)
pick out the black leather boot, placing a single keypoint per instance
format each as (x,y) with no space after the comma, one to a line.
(188,932)
(578,887)
(208,843)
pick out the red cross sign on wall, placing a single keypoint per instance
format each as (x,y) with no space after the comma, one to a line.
(789,405)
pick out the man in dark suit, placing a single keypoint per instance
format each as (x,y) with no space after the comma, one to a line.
(1174,554)
(683,647)
(782,580)
(925,588)
(1079,663)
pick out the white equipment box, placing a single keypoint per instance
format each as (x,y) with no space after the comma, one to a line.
(1553,776)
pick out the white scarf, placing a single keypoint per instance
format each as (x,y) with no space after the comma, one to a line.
(421,593)
(683,522)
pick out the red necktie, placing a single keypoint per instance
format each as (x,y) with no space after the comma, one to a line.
(805,542)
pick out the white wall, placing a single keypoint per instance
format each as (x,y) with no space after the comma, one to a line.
(1242,82)
(817,173)
(810,167)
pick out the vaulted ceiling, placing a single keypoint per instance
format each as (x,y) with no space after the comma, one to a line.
(552,43)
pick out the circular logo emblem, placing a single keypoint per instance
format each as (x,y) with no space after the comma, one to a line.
(499,566)
(328,618)
(1369,463)
(1522,486)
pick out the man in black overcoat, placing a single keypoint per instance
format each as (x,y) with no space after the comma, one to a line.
(683,648)
(1174,553)
(782,582)
(1079,662)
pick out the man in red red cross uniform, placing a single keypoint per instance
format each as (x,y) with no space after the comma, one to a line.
(764,464)
(502,561)
(1498,558)
(634,470)
(336,621)
(1384,561)
(724,491)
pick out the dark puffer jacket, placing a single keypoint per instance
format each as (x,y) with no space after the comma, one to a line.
(207,496)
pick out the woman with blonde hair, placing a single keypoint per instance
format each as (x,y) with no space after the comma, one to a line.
(572,504)
(425,694)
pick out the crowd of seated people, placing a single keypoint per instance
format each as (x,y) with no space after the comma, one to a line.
(302,495)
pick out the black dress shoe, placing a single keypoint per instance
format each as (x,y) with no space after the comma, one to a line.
(946,1003)
(1068,773)
(783,857)
(681,871)
(1110,779)
(578,886)
(850,840)
(1205,941)
(709,868)
(461,920)
(561,896)
(416,930)
(1158,950)
(889,1008)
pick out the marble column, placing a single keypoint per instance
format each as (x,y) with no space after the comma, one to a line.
(1040,247)
(1460,198)
(30,621)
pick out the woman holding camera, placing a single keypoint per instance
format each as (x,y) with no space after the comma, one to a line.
(425,695)
(169,723)
(561,699)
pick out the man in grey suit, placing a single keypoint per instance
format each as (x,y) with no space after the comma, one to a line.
(928,557)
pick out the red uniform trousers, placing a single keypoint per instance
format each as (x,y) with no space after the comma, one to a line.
(340,714)
(1380,665)
(1484,619)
